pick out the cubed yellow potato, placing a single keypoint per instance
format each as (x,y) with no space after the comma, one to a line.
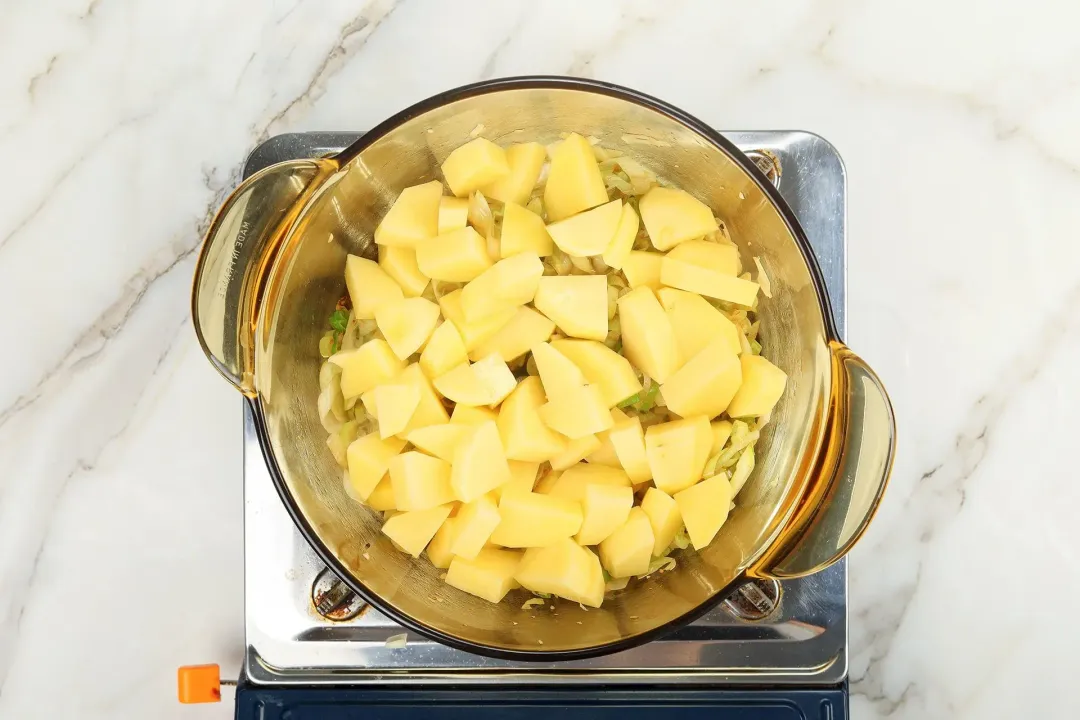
(695,279)
(438,440)
(369,286)
(588,233)
(721,431)
(420,481)
(485,382)
(558,374)
(563,568)
(524,436)
(704,508)
(664,517)
(706,383)
(576,451)
(369,458)
(475,522)
(571,483)
(642,269)
(577,304)
(453,214)
(629,441)
(477,163)
(762,385)
(674,216)
(647,335)
(723,259)
(472,334)
(413,530)
(677,452)
(523,231)
(574,182)
(525,161)
(508,283)
(364,367)
(623,242)
(490,575)
(548,481)
(413,217)
(394,407)
(628,549)
(430,410)
(407,324)
(438,550)
(535,520)
(457,256)
(604,509)
(382,497)
(577,413)
(399,262)
(444,351)
(470,415)
(479,464)
(603,367)
(696,322)
(526,329)
(606,454)
(522,478)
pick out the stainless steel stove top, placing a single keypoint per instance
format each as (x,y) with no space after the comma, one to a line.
(803,641)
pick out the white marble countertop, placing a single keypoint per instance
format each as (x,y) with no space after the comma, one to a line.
(123,125)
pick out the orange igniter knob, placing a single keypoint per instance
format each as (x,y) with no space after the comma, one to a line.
(198,683)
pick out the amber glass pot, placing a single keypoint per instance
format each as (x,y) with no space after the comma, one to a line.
(271,269)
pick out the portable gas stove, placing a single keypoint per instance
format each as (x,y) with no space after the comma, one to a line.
(315,651)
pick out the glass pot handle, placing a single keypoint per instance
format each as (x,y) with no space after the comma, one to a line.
(236,256)
(851,475)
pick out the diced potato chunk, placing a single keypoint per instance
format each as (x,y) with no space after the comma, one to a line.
(603,367)
(474,333)
(444,351)
(709,283)
(477,163)
(490,575)
(547,482)
(524,435)
(604,508)
(704,508)
(453,214)
(413,530)
(369,458)
(696,322)
(430,410)
(577,304)
(559,375)
(574,182)
(382,497)
(438,550)
(524,231)
(479,464)
(648,339)
(470,415)
(563,568)
(723,259)
(588,233)
(577,413)
(535,520)
(399,262)
(620,246)
(522,478)
(413,217)
(571,483)
(664,516)
(677,452)
(508,283)
(706,383)
(369,286)
(762,385)
(721,431)
(457,256)
(629,441)
(475,521)
(526,329)
(606,455)
(394,407)
(674,216)
(407,324)
(486,382)
(525,161)
(438,440)
(420,481)
(642,269)
(576,451)
(627,551)
(364,367)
